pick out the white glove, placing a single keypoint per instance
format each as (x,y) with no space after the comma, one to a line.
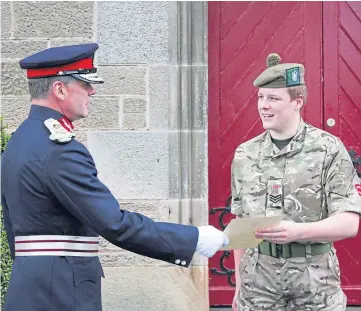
(210,240)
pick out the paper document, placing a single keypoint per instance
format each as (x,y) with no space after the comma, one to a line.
(240,231)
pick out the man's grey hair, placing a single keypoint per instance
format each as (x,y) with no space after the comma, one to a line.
(40,88)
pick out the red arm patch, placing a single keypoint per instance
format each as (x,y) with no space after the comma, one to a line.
(358,188)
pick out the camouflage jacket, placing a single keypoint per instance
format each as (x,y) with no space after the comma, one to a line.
(310,179)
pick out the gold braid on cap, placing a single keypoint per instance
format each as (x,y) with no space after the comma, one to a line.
(273,60)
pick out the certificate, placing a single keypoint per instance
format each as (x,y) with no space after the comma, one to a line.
(241,231)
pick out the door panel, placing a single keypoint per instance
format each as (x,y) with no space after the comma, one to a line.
(342,101)
(241,35)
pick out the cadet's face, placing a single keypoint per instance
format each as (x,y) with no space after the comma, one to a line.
(278,113)
(77,99)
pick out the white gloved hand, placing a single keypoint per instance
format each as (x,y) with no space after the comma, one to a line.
(210,240)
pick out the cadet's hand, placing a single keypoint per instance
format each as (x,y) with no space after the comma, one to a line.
(210,240)
(285,232)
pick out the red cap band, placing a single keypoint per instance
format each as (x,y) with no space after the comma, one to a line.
(53,71)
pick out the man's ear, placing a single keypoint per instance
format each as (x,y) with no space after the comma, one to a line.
(59,90)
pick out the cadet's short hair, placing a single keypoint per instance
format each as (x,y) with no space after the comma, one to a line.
(297,91)
(40,88)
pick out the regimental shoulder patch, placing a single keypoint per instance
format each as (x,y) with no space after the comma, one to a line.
(293,77)
(61,131)
(358,188)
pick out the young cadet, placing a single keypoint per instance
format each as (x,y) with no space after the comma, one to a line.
(306,175)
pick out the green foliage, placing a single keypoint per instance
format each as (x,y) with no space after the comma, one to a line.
(4,136)
(6,261)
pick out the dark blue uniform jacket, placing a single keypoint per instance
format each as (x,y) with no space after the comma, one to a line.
(53,189)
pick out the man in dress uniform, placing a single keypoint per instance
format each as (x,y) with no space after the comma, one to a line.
(54,205)
(306,175)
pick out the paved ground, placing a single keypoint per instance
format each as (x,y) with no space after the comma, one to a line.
(229,309)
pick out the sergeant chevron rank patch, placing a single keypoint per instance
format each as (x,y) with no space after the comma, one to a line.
(275,194)
(275,198)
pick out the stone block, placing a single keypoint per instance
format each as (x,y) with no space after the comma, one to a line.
(133,32)
(18,49)
(199,184)
(199,276)
(109,248)
(81,136)
(154,289)
(177,183)
(199,97)
(134,165)
(122,258)
(13,80)
(69,41)
(14,110)
(5,19)
(199,212)
(134,105)
(188,97)
(191,46)
(103,114)
(187,164)
(134,121)
(53,19)
(133,82)
(180,102)
(159,97)
(104,244)
(189,211)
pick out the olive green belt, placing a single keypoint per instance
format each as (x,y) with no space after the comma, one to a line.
(291,249)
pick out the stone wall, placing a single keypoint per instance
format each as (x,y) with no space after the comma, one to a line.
(147,128)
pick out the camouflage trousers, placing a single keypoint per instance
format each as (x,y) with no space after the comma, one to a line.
(279,284)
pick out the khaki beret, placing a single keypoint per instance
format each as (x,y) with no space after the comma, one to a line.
(280,75)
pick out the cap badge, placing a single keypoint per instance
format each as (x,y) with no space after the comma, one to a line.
(61,131)
(293,76)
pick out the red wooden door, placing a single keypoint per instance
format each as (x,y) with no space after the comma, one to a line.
(342,103)
(241,35)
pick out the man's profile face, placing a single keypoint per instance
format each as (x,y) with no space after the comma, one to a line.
(276,109)
(77,100)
